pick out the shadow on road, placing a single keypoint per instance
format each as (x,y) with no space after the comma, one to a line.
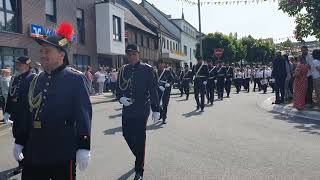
(192,113)
(115,116)
(113,131)
(126,175)
(305,125)
(8,174)
(180,100)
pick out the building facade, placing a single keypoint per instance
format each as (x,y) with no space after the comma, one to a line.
(22,20)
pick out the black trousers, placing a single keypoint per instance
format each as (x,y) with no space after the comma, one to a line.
(181,88)
(220,88)
(264,88)
(134,132)
(164,99)
(227,86)
(279,88)
(186,88)
(199,88)
(256,82)
(247,84)
(309,91)
(60,171)
(237,83)
(210,91)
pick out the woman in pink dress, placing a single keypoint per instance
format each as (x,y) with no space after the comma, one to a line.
(300,84)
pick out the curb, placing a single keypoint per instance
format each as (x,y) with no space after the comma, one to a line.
(288,111)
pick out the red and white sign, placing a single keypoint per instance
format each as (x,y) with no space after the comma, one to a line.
(218,52)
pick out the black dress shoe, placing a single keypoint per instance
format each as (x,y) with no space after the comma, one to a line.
(138,177)
(198,107)
(202,110)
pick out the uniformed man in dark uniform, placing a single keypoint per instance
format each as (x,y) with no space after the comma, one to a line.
(179,79)
(229,77)
(56,133)
(137,91)
(211,82)
(201,74)
(221,76)
(187,80)
(17,101)
(165,81)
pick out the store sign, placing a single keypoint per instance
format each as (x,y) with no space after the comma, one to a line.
(40,31)
(37,31)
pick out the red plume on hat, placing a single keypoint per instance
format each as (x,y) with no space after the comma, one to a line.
(65,30)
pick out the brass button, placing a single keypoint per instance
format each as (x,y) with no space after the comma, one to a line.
(45,90)
(49,77)
(44,97)
(47,83)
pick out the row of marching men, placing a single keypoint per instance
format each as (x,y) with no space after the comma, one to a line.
(260,76)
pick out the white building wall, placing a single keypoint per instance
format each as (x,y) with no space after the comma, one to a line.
(104,29)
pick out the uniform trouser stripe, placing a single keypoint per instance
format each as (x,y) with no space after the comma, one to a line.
(71,172)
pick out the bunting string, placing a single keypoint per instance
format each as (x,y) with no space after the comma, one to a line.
(224,3)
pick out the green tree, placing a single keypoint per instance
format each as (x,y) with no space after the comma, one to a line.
(307,14)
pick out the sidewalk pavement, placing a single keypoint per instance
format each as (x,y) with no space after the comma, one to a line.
(289,110)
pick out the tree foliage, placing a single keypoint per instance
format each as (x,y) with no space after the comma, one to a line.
(307,14)
(235,50)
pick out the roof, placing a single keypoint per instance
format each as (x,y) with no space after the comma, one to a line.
(180,19)
(131,19)
(145,15)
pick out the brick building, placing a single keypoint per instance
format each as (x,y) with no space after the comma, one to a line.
(22,19)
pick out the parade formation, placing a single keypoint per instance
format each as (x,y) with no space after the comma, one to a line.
(195,94)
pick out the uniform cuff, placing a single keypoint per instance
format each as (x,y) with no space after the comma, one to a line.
(84,142)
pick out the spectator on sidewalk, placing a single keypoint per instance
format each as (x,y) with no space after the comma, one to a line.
(101,78)
(309,61)
(113,80)
(5,85)
(315,68)
(279,73)
(89,76)
(287,86)
(300,84)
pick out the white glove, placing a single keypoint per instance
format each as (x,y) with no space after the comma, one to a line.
(6,117)
(162,88)
(155,116)
(82,159)
(125,101)
(167,85)
(215,81)
(17,152)
(205,82)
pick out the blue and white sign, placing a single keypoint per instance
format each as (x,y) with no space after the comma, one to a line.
(38,31)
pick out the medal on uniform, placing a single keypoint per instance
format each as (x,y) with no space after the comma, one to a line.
(37,124)
(15,100)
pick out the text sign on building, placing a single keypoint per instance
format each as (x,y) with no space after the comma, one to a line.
(37,31)
(40,32)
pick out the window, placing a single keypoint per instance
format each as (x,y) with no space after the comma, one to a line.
(8,55)
(177,47)
(81,61)
(164,43)
(136,38)
(80,26)
(148,42)
(168,44)
(51,11)
(116,28)
(10,15)
(141,40)
(185,50)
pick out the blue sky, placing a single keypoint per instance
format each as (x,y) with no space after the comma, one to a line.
(262,20)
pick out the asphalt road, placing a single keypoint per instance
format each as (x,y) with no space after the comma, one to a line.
(233,139)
